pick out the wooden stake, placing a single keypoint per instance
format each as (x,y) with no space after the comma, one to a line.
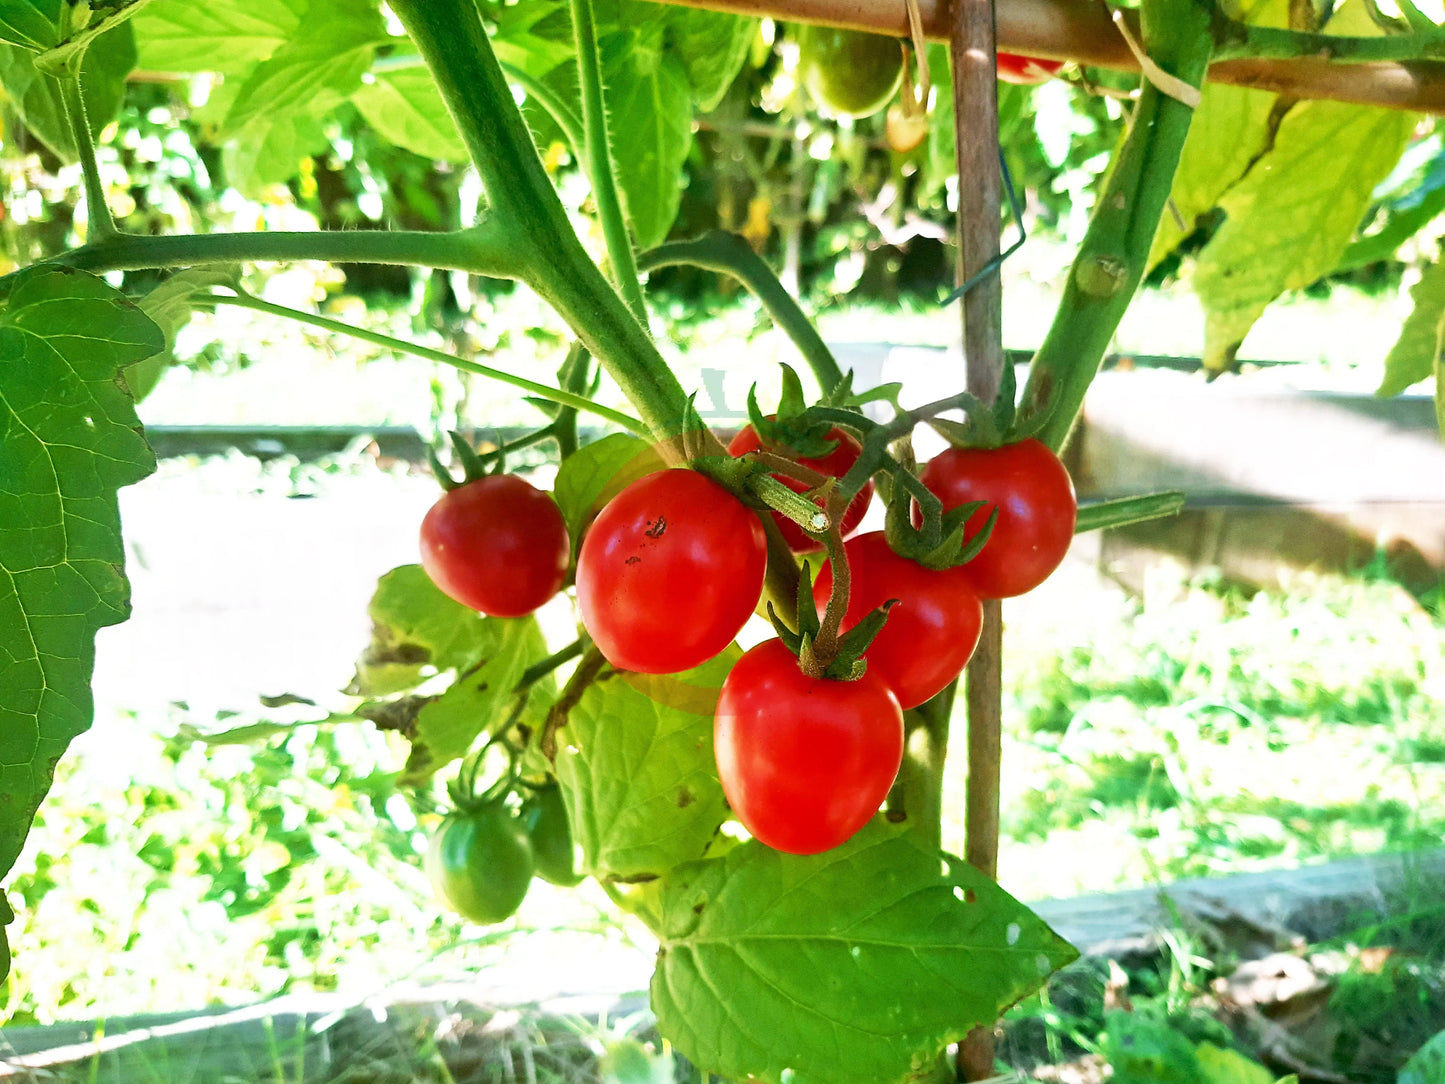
(972,46)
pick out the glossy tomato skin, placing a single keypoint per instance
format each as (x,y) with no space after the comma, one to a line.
(1027,70)
(836,463)
(1036,511)
(669,572)
(550,833)
(480,863)
(498,545)
(849,73)
(804,762)
(932,630)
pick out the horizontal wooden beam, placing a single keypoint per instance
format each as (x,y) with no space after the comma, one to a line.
(1085,33)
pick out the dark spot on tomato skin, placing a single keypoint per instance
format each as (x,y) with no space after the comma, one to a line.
(633,561)
(656,528)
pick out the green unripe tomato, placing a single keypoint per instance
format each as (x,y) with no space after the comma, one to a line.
(545,816)
(847,72)
(480,863)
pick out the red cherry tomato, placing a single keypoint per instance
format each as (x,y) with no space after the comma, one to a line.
(1027,70)
(804,762)
(498,545)
(836,463)
(1036,511)
(931,632)
(669,572)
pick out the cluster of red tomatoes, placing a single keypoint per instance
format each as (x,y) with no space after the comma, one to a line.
(673,566)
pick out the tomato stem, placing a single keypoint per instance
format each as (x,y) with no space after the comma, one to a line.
(597,154)
(729,254)
(588,671)
(100,224)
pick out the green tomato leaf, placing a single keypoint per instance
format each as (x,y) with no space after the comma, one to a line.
(1427,1066)
(69,439)
(270,150)
(31,24)
(596,473)
(854,966)
(1416,352)
(1289,219)
(535,37)
(314,71)
(170,305)
(478,701)
(1220,1066)
(417,632)
(227,36)
(637,770)
(712,46)
(1230,129)
(649,106)
(36,94)
(406,108)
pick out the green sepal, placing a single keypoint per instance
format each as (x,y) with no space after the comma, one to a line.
(472,466)
(791,640)
(792,429)
(439,471)
(995,426)
(808,622)
(843,395)
(853,643)
(940,542)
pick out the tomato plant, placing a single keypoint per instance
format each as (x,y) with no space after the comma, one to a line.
(835,463)
(480,863)
(669,572)
(545,816)
(932,630)
(848,73)
(497,544)
(1027,70)
(804,762)
(1036,511)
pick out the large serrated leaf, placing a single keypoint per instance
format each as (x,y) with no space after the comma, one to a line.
(37,98)
(712,46)
(638,773)
(171,305)
(478,700)
(596,473)
(1290,218)
(1416,352)
(69,439)
(417,632)
(855,966)
(1231,127)
(314,71)
(649,107)
(406,107)
(31,24)
(226,36)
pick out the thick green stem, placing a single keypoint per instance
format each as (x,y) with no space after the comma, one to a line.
(1239,41)
(541,391)
(597,152)
(1115,249)
(728,254)
(101,225)
(450,37)
(487,249)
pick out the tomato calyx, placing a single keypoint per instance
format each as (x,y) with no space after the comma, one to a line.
(821,651)
(940,539)
(994,426)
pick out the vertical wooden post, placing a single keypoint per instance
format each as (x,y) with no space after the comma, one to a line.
(975,109)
